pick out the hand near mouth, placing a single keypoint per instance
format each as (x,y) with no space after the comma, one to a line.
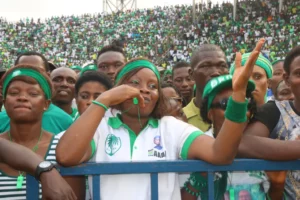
(120,94)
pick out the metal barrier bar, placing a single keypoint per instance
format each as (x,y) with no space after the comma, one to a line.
(96,187)
(154,186)
(178,166)
(211,187)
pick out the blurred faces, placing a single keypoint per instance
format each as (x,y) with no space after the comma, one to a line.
(183,81)
(260,79)
(146,81)
(211,64)
(278,72)
(293,79)
(25,102)
(32,60)
(283,92)
(174,103)
(63,80)
(109,62)
(87,93)
(217,111)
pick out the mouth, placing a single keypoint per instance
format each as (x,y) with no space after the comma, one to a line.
(63,92)
(22,107)
(185,91)
(146,100)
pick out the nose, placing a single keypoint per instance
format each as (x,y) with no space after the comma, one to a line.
(64,83)
(184,84)
(111,70)
(22,98)
(144,89)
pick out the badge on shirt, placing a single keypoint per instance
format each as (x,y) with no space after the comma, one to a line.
(112,144)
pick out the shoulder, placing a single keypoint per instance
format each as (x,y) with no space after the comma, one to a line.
(176,126)
(57,114)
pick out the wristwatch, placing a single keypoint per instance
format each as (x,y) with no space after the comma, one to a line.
(44,166)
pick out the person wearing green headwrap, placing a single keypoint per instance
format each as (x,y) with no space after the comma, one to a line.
(88,68)
(27,95)
(167,77)
(142,131)
(262,71)
(54,120)
(76,68)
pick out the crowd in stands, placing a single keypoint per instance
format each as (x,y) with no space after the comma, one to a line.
(101,103)
(163,34)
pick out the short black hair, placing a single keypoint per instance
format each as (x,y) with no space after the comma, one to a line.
(295,52)
(180,65)
(201,49)
(33,53)
(108,48)
(95,76)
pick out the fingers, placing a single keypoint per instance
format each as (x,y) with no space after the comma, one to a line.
(238,60)
(141,100)
(252,59)
(259,44)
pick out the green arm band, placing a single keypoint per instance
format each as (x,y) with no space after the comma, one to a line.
(236,111)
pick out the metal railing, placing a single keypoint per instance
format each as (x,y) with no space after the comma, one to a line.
(153,168)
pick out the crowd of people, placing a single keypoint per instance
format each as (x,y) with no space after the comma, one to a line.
(200,92)
(163,34)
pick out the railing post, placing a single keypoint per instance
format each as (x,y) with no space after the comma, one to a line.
(211,192)
(96,187)
(154,186)
(32,188)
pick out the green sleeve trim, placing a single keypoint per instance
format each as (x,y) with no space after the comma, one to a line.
(188,142)
(93,146)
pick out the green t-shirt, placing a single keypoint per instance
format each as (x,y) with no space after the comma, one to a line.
(74,113)
(55,120)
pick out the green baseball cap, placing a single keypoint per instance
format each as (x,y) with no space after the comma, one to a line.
(217,84)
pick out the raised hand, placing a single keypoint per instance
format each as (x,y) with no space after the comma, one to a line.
(120,94)
(242,74)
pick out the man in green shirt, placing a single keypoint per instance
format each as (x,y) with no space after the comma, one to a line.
(207,62)
(64,80)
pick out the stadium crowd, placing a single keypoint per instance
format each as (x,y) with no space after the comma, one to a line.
(163,34)
(151,85)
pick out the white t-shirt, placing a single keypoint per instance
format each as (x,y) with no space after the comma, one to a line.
(164,139)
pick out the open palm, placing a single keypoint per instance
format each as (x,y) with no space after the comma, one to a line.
(242,74)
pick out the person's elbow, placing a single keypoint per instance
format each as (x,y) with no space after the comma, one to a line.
(64,158)
(223,160)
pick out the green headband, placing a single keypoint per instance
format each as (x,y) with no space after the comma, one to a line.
(136,64)
(217,84)
(261,62)
(30,73)
(88,68)
(76,68)
(277,61)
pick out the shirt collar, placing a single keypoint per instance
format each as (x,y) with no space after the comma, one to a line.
(116,122)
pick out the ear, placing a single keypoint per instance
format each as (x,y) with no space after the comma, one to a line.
(286,79)
(191,73)
(47,104)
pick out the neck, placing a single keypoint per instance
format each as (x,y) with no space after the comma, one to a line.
(198,99)
(134,123)
(67,107)
(25,133)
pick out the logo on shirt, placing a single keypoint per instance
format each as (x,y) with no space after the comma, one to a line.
(157,151)
(112,144)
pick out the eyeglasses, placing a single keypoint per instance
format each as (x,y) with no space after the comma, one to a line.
(222,104)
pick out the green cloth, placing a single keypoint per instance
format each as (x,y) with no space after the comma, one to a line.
(55,120)
(217,84)
(74,113)
(261,62)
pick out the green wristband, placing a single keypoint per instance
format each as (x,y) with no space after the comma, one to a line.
(236,111)
(100,104)
(186,188)
(197,181)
